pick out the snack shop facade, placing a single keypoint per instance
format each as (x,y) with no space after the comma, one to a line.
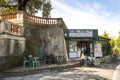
(85,41)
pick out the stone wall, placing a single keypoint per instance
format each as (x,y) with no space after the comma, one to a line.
(51,38)
(11,51)
(10,62)
(107,59)
(118,56)
(55,42)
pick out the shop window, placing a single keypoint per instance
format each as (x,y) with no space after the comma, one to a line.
(97,47)
(91,48)
(98,50)
(73,47)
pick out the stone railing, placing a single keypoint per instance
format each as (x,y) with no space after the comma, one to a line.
(45,21)
(17,17)
(11,16)
(11,28)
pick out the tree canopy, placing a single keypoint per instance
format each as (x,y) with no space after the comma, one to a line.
(8,6)
(117,43)
(105,34)
(30,6)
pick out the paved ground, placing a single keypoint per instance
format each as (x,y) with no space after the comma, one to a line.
(101,72)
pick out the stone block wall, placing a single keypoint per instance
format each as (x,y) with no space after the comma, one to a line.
(107,59)
(10,62)
(11,51)
(55,42)
(51,38)
(118,56)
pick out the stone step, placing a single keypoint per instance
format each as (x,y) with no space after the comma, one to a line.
(44,67)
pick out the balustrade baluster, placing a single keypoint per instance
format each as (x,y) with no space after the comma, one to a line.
(38,20)
(44,21)
(7,17)
(3,17)
(48,21)
(51,21)
(29,18)
(14,16)
(41,21)
(32,19)
(35,19)
(11,16)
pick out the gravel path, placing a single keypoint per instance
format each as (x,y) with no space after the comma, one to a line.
(101,72)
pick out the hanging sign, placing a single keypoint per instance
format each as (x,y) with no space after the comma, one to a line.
(80,33)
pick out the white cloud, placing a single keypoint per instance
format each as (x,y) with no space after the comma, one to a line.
(87,16)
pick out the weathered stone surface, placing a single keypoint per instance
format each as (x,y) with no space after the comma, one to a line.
(107,59)
(118,56)
(11,51)
(10,62)
(4,47)
(11,47)
(51,38)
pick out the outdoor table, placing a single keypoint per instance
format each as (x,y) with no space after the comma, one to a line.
(35,62)
(31,61)
(60,58)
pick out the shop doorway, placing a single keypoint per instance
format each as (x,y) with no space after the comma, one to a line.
(76,48)
(83,48)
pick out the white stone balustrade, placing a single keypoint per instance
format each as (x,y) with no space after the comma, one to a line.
(10,28)
(11,16)
(45,21)
(15,17)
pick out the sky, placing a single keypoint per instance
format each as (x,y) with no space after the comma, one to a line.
(103,15)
